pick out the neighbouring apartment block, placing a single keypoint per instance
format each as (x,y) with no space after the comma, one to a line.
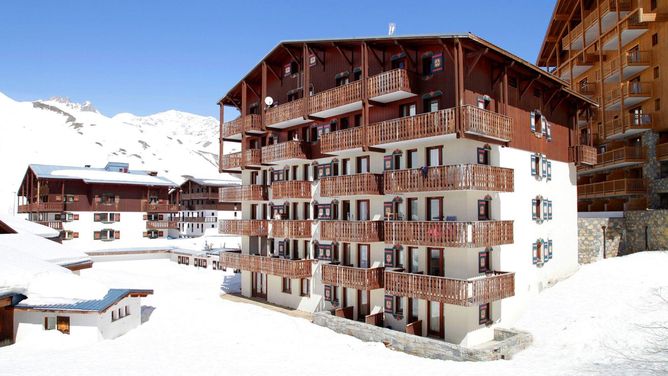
(425,184)
(202,205)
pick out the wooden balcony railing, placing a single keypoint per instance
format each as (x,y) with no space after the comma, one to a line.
(449,234)
(243,193)
(629,89)
(285,150)
(450,178)
(629,122)
(56,225)
(486,123)
(195,219)
(589,88)
(412,127)
(352,231)
(159,208)
(161,225)
(231,161)
(291,189)
(216,206)
(251,157)
(622,155)
(592,17)
(200,196)
(336,97)
(662,151)
(630,59)
(284,112)
(620,187)
(463,292)
(582,155)
(351,185)
(241,125)
(346,139)
(269,265)
(243,227)
(388,82)
(351,277)
(42,207)
(291,229)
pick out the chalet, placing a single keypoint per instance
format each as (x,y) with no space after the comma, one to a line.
(384,179)
(203,202)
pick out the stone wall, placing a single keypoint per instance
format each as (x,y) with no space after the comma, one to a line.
(506,342)
(638,230)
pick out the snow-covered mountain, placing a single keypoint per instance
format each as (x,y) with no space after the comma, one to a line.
(58,131)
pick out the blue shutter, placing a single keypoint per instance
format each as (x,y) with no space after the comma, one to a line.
(533,165)
(543,167)
(533,121)
(545,214)
(534,216)
(549,170)
(549,209)
(548,129)
(535,253)
(389,304)
(543,125)
(549,249)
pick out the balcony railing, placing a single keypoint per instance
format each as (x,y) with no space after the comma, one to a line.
(662,151)
(450,178)
(352,231)
(285,112)
(620,187)
(631,59)
(243,227)
(56,225)
(216,206)
(592,17)
(631,123)
(291,189)
(252,157)
(353,278)
(634,22)
(582,155)
(159,208)
(388,82)
(243,193)
(625,154)
(345,139)
(196,219)
(412,127)
(285,150)
(449,233)
(351,185)
(486,123)
(161,225)
(261,264)
(291,229)
(336,97)
(200,196)
(463,292)
(42,207)
(241,125)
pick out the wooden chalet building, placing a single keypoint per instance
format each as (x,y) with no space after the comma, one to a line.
(614,52)
(205,201)
(423,183)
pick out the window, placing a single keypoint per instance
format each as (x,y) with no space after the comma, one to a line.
(342,78)
(106,235)
(407,110)
(153,234)
(655,39)
(293,95)
(109,217)
(412,209)
(358,120)
(484,210)
(108,199)
(114,316)
(541,167)
(363,213)
(541,209)
(399,61)
(71,198)
(434,209)
(657,104)
(413,255)
(430,105)
(49,323)
(426,65)
(542,251)
(324,211)
(483,155)
(412,158)
(364,254)
(278,175)
(362,164)
(656,72)
(484,261)
(434,156)
(652,5)
(63,324)
(287,285)
(305,288)
(127,310)
(325,169)
(357,74)
(483,316)
(294,68)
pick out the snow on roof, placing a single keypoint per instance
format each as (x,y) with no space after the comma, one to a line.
(212,181)
(42,249)
(99,175)
(23,226)
(18,269)
(92,305)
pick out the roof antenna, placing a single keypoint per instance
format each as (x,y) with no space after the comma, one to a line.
(392,28)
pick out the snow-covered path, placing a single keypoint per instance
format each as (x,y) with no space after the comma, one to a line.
(579,327)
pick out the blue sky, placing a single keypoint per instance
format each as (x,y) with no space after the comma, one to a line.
(149,56)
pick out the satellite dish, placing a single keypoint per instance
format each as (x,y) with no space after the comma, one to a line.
(268,101)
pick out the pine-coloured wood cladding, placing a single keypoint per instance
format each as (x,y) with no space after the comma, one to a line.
(450,178)
(351,185)
(243,193)
(287,189)
(618,187)
(249,123)
(352,231)
(243,227)
(291,229)
(269,265)
(351,277)
(449,233)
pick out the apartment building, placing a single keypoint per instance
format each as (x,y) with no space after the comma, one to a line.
(94,206)
(614,52)
(201,205)
(425,184)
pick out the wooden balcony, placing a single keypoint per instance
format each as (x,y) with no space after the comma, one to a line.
(620,157)
(408,128)
(291,229)
(620,187)
(582,155)
(159,208)
(337,100)
(243,193)
(608,12)
(286,115)
(632,27)
(195,219)
(343,140)
(462,292)
(662,151)
(56,225)
(352,231)
(42,207)
(287,189)
(450,178)
(243,227)
(216,206)
(236,161)
(200,196)
(353,278)
(351,185)
(232,130)
(629,125)
(485,123)
(632,63)
(633,93)
(449,234)
(261,264)
(389,86)
(285,151)
(161,225)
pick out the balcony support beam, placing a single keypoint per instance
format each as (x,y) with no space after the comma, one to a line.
(476,58)
(307,78)
(345,57)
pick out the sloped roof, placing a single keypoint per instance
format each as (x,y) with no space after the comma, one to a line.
(100,175)
(43,249)
(207,182)
(23,226)
(96,305)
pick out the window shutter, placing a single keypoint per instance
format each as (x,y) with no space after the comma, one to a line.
(117,217)
(161,234)
(328,293)
(75,235)
(544,213)
(146,235)
(549,249)
(96,235)
(75,217)
(534,215)
(543,125)
(145,217)
(117,234)
(548,128)
(389,257)
(549,209)
(535,253)
(160,217)
(549,170)
(389,304)
(96,217)
(533,165)
(533,121)
(117,199)
(544,168)
(76,198)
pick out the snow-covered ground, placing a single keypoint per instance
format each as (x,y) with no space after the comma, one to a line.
(588,324)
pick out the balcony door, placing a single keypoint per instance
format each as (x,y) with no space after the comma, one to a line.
(363,298)
(435,263)
(435,156)
(434,208)
(362,164)
(259,285)
(412,209)
(363,210)
(363,256)
(435,317)
(345,254)
(345,210)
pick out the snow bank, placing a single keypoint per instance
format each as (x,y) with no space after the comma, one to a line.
(22,225)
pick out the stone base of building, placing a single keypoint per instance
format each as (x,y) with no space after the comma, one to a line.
(602,235)
(506,342)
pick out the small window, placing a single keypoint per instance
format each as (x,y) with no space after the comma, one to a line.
(655,39)
(484,261)
(657,104)
(484,317)
(49,323)
(287,285)
(342,79)
(127,310)
(483,156)
(426,65)
(656,72)
(305,289)
(294,68)
(652,5)
(114,316)
(407,110)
